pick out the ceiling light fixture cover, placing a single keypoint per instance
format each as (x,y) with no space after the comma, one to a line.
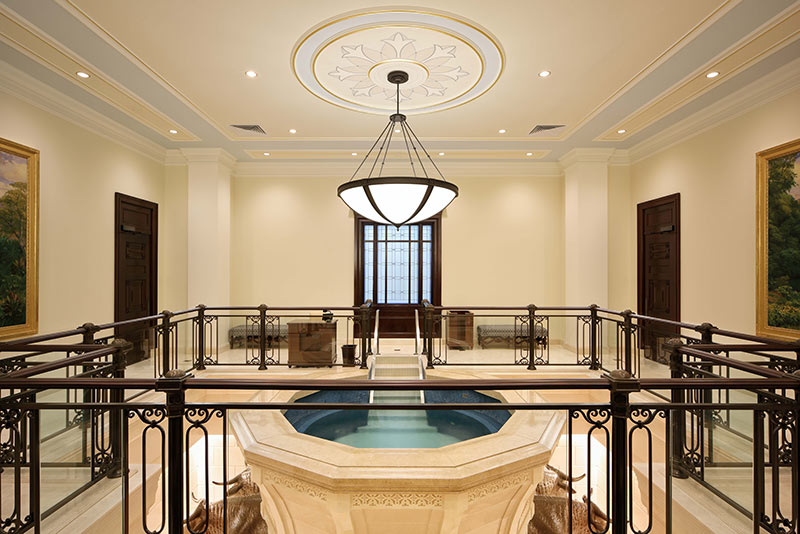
(397,200)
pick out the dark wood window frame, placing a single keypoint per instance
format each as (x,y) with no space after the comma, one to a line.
(436,275)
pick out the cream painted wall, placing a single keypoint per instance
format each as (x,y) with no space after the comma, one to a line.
(621,255)
(502,243)
(174,232)
(715,174)
(291,242)
(79,174)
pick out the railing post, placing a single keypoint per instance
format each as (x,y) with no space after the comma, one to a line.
(531,337)
(166,315)
(707,338)
(594,362)
(201,337)
(678,416)
(622,385)
(262,337)
(173,385)
(89,331)
(117,396)
(35,478)
(429,332)
(628,340)
(364,334)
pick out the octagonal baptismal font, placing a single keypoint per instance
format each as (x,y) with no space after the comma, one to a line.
(315,484)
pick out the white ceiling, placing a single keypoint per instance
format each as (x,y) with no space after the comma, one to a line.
(186,60)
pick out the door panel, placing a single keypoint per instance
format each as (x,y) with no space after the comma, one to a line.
(135,270)
(659,270)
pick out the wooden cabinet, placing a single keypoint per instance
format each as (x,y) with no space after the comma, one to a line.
(312,343)
(460,330)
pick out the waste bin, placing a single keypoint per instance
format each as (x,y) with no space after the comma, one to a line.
(348,355)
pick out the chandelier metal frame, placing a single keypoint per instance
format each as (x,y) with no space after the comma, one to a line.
(413,146)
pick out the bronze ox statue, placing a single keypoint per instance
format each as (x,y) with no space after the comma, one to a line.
(551,508)
(244,510)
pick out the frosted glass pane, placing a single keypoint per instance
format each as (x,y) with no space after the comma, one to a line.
(369,267)
(426,270)
(381,296)
(381,232)
(427,232)
(397,276)
(414,273)
(369,232)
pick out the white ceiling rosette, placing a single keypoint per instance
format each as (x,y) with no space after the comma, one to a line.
(449,60)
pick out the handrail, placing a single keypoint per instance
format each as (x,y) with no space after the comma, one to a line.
(417,338)
(705,328)
(191,382)
(375,338)
(735,364)
(64,362)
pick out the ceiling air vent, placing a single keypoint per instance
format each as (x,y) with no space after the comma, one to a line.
(254,128)
(545,129)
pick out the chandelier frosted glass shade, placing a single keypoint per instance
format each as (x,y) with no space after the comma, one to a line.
(397,200)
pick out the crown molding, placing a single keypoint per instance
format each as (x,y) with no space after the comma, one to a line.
(344,169)
(771,87)
(207,155)
(619,158)
(586,155)
(28,89)
(174,158)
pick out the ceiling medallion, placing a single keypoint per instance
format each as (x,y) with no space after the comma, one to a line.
(398,199)
(449,61)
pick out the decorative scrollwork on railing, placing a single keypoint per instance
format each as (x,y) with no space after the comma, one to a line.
(14,423)
(274,339)
(520,340)
(438,356)
(598,420)
(198,418)
(252,339)
(584,340)
(641,418)
(153,419)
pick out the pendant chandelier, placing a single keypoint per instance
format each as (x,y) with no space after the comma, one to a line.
(397,200)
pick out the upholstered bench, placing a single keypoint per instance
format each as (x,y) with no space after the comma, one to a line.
(510,334)
(247,335)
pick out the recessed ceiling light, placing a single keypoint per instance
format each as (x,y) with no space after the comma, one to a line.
(251,74)
(441,153)
(529,153)
(544,74)
(266,153)
(621,131)
(501,130)
(354,153)
(173,132)
(397,131)
(712,74)
(82,74)
(292,131)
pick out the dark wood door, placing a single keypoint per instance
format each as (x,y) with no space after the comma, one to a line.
(135,270)
(659,254)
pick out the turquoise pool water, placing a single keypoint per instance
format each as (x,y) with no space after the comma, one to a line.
(396,429)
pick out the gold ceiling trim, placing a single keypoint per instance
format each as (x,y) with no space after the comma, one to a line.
(769,40)
(36,46)
(330,22)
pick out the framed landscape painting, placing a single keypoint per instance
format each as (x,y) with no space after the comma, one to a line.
(19,234)
(778,241)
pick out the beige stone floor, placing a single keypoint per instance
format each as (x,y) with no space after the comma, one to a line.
(738,484)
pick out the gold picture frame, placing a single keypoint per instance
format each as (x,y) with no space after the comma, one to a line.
(19,191)
(777,298)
